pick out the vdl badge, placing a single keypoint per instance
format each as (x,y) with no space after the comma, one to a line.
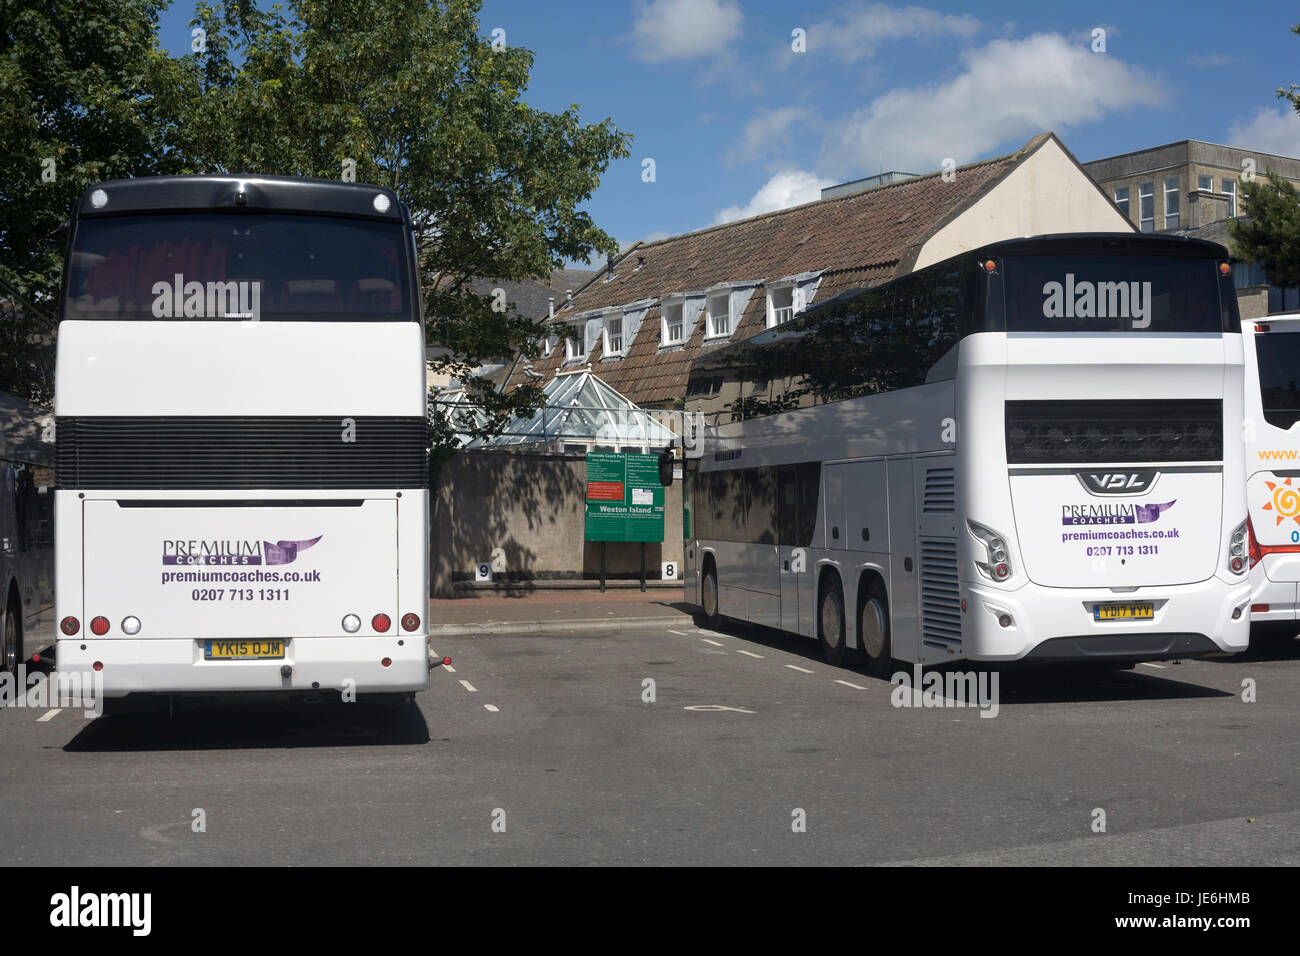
(243,650)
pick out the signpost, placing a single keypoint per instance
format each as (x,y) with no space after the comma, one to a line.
(625,502)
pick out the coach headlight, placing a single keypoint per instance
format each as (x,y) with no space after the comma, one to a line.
(996,565)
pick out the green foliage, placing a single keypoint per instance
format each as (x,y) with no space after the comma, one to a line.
(423,104)
(407,89)
(74,82)
(1272,236)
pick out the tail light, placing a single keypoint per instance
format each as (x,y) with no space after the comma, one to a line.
(381,623)
(99,625)
(69,626)
(997,566)
(410,622)
(1256,551)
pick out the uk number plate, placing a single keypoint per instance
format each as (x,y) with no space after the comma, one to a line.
(1123,612)
(242,650)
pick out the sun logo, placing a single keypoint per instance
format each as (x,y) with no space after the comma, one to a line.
(1286,501)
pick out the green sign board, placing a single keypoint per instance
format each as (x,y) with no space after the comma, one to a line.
(625,501)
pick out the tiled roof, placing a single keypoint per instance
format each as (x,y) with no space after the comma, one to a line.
(855,241)
(529,298)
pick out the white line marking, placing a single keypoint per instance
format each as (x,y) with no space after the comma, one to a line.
(49,714)
(449,669)
(847,684)
(802,669)
(468,686)
(714,643)
(682,633)
(749,653)
(1148,664)
(492,708)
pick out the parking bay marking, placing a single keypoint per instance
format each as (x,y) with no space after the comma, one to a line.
(469,687)
(492,708)
(847,684)
(749,654)
(714,643)
(716,707)
(794,667)
(49,714)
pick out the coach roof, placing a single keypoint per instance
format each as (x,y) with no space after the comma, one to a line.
(242,193)
(1104,243)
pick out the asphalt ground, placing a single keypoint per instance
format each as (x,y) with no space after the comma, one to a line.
(548,747)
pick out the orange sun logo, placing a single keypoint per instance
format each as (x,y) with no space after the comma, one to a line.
(1286,501)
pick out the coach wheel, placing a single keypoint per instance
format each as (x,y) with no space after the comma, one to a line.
(873,630)
(830,622)
(9,652)
(710,597)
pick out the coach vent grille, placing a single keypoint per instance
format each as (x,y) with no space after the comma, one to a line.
(218,452)
(940,598)
(940,491)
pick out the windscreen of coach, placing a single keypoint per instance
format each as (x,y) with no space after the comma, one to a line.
(239,267)
(1113,294)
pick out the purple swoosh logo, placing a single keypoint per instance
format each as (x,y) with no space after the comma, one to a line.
(286,552)
(1148,513)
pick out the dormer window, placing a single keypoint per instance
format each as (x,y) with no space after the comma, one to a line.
(672,323)
(574,347)
(719,315)
(780,304)
(614,335)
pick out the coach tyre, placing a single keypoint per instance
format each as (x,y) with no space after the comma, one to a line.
(709,596)
(9,651)
(873,630)
(830,620)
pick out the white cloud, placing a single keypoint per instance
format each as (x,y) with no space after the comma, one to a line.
(1211,60)
(1269,130)
(767,131)
(790,187)
(855,31)
(1007,90)
(685,29)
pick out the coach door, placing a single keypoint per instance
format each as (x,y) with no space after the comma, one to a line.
(905,632)
(792,559)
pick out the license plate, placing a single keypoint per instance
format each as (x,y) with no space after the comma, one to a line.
(242,650)
(1123,612)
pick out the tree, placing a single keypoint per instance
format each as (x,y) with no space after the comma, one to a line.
(75,109)
(1270,236)
(406,94)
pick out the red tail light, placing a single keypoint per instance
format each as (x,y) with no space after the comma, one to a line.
(69,626)
(387,662)
(99,625)
(410,622)
(1259,609)
(1257,550)
(381,623)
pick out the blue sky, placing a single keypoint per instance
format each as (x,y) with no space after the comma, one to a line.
(737,122)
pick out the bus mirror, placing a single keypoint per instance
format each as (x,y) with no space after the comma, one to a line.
(666,468)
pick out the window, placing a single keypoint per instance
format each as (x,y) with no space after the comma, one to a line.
(720,315)
(575,348)
(780,305)
(1121,199)
(1230,190)
(1171,202)
(1147,207)
(614,335)
(1205,184)
(1279,385)
(672,324)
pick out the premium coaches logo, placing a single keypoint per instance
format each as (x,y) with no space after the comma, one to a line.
(1117,482)
(234,551)
(1098,300)
(207,300)
(1116,513)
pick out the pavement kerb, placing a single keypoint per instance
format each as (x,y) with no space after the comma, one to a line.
(489,628)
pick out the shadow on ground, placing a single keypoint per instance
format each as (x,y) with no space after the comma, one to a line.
(241,724)
(1017,683)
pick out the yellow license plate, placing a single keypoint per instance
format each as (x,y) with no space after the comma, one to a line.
(1123,612)
(242,650)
